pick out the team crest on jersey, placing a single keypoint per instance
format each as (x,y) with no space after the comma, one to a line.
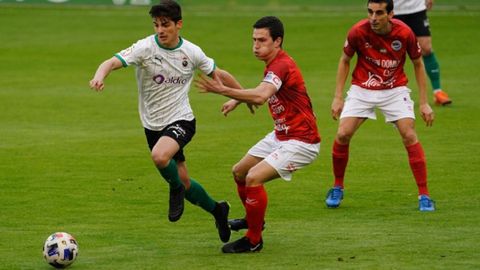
(396,45)
(184,62)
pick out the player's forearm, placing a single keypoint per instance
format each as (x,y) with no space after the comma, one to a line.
(421,79)
(251,96)
(228,79)
(342,75)
(105,68)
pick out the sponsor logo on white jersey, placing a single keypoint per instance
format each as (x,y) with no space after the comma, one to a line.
(158,58)
(159,79)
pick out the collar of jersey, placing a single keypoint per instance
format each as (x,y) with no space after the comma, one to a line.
(170,49)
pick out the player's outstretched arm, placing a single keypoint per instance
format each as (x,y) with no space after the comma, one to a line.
(421,77)
(230,81)
(102,72)
(255,96)
(226,78)
(342,74)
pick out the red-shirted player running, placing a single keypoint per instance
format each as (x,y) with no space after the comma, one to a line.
(293,144)
(378,81)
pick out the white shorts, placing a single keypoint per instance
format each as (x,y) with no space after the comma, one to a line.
(394,103)
(285,156)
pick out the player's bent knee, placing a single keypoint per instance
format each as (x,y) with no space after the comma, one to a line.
(426,51)
(238,173)
(251,181)
(160,161)
(343,137)
(410,138)
(239,179)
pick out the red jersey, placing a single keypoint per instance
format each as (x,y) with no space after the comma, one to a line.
(290,106)
(381,57)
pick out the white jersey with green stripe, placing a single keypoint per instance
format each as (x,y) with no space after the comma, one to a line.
(164,76)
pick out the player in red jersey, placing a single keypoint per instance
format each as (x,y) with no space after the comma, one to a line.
(293,144)
(378,81)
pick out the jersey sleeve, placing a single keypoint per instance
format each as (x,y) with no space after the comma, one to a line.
(132,55)
(276,74)
(203,62)
(413,47)
(350,45)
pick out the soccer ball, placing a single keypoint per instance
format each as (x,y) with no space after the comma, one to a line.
(60,250)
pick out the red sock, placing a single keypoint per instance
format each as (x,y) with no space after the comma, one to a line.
(256,206)
(416,158)
(242,193)
(340,160)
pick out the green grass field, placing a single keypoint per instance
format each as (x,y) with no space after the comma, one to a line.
(75,160)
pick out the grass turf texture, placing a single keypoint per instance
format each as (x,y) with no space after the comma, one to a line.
(75,160)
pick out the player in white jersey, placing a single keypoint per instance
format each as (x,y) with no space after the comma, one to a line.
(401,7)
(165,64)
(414,14)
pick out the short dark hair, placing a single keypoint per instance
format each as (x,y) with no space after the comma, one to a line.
(167,8)
(388,2)
(274,25)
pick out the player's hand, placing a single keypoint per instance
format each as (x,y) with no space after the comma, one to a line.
(97,85)
(427,114)
(229,106)
(337,107)
(252,108)
(429,4)
(206,84)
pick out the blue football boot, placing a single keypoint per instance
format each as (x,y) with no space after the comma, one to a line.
(334,197)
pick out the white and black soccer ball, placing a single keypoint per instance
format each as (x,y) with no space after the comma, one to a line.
(60,250)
